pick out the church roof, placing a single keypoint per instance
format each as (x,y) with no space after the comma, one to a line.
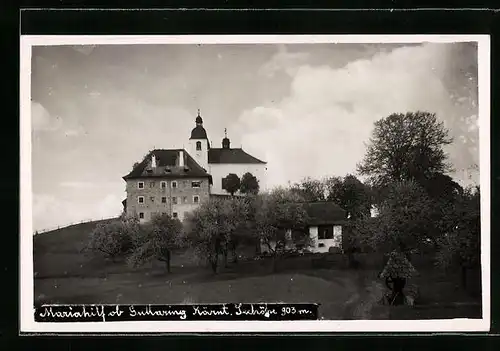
(231,156)
(198,132)
(167,166)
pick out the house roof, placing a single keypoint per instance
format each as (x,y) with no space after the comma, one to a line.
(167,166)
(324,212)
(231,156)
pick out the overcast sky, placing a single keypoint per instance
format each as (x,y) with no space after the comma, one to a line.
(305,109)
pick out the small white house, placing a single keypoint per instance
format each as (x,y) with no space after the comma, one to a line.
(323,237)
(325,227)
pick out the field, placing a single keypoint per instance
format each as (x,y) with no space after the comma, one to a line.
(65,273)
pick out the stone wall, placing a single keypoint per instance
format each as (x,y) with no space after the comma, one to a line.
(170,200)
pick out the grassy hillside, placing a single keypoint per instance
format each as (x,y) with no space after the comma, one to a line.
(65,239)
(65,273)
(59,252)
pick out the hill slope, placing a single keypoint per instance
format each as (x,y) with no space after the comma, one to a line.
(58,252)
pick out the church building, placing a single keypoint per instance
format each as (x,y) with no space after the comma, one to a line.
(176,181)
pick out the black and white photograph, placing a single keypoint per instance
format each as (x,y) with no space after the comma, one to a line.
(344,172)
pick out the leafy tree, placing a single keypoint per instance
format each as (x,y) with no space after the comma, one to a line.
(114,239)
(204,238)
(350,194)
(231,183)
(278,212)
(156,240)
(460,243)
(404,222)
(442,188)
(249,184)
(249,228)
(232,224)
(406,147)
(309,189)
(355,198)
(214,228)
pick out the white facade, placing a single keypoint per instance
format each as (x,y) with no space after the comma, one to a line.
(221,170)
(317,245)
(323,245)
(200,156)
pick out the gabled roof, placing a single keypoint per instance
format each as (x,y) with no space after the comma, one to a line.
(324,212)
(231,156)
(167,166)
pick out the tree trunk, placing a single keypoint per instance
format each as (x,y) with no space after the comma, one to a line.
(235,254)
(225,256)
(214,262)
(235,257)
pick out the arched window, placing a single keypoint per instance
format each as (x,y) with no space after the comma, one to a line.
(198,146)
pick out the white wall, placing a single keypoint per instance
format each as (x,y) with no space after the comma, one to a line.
(199,156)
(313,234)
(219,171)
(335,242)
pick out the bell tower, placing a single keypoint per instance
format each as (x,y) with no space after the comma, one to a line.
(225,142)
(198,143)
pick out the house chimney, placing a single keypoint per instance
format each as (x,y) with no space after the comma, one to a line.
(181,158)
(153,161)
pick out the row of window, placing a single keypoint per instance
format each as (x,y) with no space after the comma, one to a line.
(174,214)
(175,200)
(173,184)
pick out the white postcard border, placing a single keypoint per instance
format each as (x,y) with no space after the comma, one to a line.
(27,322)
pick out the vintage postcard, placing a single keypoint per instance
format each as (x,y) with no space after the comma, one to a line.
(255,183)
